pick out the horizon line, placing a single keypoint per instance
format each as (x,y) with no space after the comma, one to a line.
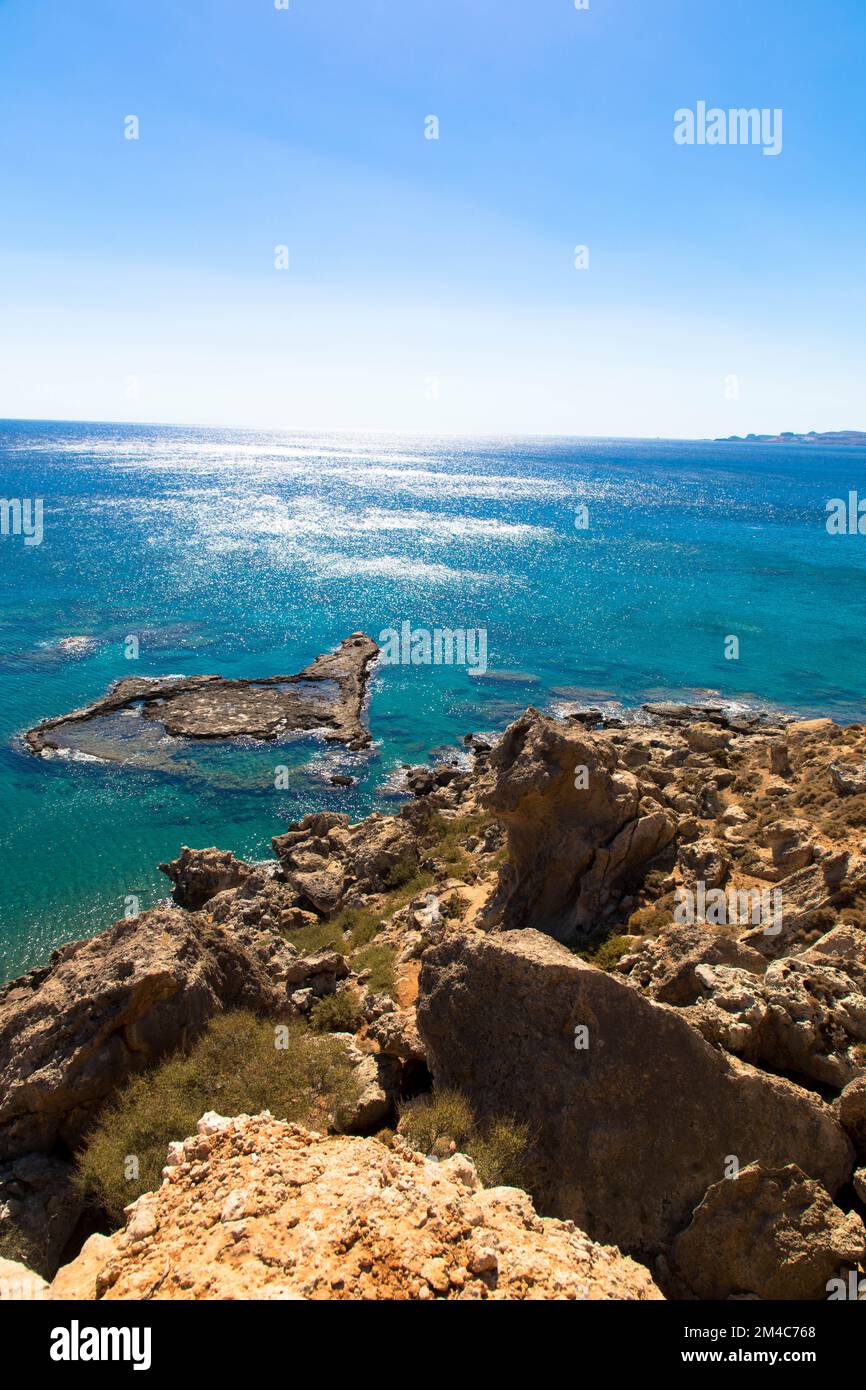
(412,433)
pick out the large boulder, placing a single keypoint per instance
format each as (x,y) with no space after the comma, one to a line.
(579,831)
(199,874)
(109,1006)
(323,857)
(255,1208)
(635,1113)
(771,1232)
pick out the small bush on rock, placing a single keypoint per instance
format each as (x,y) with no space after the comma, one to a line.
(443,1122)
(236,1066)
(336,1013)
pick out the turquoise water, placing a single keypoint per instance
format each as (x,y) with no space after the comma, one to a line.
(247,554)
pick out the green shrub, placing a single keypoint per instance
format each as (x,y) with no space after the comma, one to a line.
(380,961)
(500,1147)
(608,953)
(401,872)
(501,1153)
(318,936)
(234,1067)
(336,1013)
(436,1116)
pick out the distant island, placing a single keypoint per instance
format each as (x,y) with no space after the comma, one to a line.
(856,437)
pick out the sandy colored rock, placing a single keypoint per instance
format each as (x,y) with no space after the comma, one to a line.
(107,1007)
(577,826)
(323,856)
(261,1209)
(18,1283)
(636,1116)
(199,874)
(769,1232)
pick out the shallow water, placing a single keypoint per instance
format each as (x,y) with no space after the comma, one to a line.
(247,554)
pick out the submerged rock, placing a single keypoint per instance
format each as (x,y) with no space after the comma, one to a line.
(328,694)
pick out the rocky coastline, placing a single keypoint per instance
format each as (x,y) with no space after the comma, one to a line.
(635,953)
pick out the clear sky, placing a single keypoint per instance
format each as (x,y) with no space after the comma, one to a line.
(431,283)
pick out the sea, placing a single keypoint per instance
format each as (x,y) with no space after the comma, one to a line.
(603,573)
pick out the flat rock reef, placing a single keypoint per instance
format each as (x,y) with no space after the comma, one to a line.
(328,694)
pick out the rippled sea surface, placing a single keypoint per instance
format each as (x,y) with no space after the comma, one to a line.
(247,554)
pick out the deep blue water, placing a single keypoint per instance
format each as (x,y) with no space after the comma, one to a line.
(246,554)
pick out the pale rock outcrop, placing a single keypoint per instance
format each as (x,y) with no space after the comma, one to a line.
(107,1007)
(199,874)
(323,856)
(256,1208)
(665,966)
(578,829)
(800,1018)
(790,844)
(635,1113)
(705,861)
(770,1232)
(817,887)
(396,1034)
(18,1283)
(848,779)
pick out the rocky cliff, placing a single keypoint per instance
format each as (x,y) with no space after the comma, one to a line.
(636,948)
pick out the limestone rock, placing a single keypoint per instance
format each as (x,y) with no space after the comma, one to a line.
(199,874)
(322,856)
(107,1007)
(576,830)
(771,1232)
(396,1034)
(18,1283)
(636,1116)
(847,780)
(800,1018)
(282,1213)
(705,861)
(852,1113)
(329,694)
(665,967)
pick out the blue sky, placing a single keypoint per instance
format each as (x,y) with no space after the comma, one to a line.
(431,283)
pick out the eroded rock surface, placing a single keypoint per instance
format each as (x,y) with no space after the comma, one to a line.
(328,694)
(107,1007)
(771,1232)
(578,827)
(635,1121)
(254,1208)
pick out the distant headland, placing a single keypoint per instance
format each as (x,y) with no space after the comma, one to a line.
(855,437)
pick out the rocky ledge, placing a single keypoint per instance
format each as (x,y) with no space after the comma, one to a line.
(646,944)
(254,1208)
(328,694)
